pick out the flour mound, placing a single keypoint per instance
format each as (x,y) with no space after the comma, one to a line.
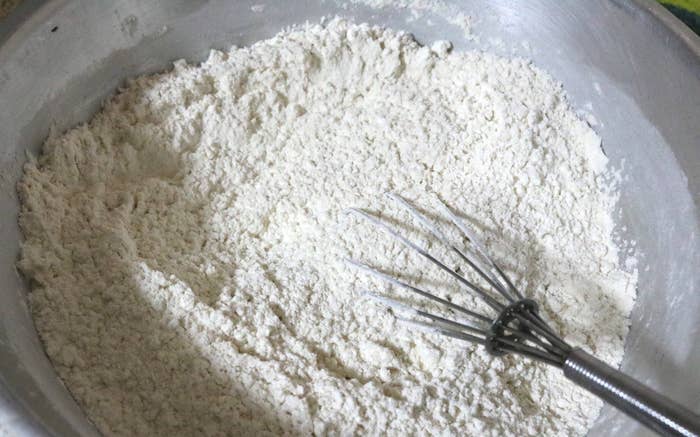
(186,246)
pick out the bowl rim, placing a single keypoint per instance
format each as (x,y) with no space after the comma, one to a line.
(30,13)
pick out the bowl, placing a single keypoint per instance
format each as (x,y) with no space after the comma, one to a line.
(629,64)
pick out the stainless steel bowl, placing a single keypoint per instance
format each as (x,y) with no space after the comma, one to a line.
(634,66)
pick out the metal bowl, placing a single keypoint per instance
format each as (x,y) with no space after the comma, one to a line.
(630,63)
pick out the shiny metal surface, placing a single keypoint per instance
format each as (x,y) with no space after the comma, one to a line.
(633,65)
(659,413)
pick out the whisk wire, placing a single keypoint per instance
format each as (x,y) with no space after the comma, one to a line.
(390,279)
(432,329)
(480,249)
(498,306)
(471,261)
(518,327)
(440,321)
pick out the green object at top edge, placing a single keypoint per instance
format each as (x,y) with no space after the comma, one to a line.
(687,11)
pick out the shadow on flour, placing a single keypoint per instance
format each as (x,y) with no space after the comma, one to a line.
(186,382)
(161,376)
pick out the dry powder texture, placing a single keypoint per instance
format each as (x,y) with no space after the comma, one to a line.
(186,246)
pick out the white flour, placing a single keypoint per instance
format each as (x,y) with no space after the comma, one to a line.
(186,246)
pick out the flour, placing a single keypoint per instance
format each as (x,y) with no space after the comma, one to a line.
(186,246)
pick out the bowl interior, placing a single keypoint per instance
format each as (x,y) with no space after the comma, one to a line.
(618,60)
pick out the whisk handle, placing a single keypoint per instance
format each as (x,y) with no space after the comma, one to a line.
(650,408)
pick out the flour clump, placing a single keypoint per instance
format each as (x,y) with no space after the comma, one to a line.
(185,247)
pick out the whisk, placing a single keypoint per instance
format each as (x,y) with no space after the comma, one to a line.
(517,326)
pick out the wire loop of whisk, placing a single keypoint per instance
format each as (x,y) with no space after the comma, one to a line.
(516,327)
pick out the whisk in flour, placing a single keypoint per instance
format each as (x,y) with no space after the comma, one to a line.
(186,246)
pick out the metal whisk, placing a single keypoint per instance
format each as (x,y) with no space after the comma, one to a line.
(518,328)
